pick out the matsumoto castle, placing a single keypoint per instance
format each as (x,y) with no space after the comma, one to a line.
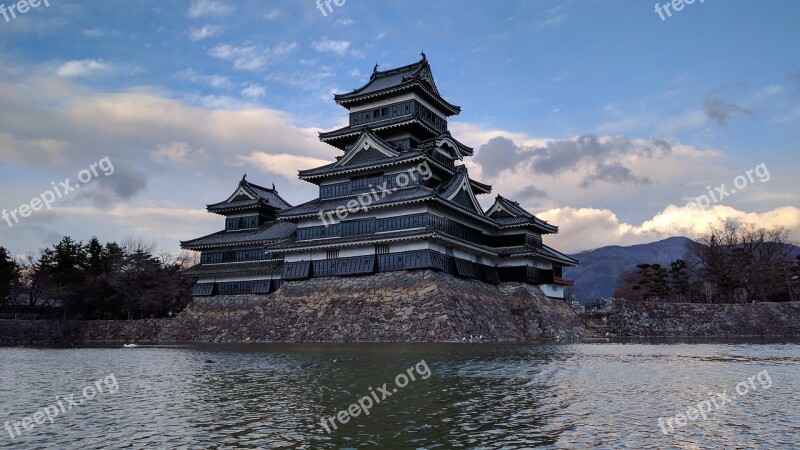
(396,199)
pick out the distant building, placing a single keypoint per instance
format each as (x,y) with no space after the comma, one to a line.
(394,200)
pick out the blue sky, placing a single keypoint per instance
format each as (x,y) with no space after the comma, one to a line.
(596,115)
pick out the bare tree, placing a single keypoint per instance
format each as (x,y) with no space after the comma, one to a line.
(742,262)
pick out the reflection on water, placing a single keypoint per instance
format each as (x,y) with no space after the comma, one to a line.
(478,396)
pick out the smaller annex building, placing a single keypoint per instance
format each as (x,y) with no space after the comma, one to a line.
(233,260)
(397,198)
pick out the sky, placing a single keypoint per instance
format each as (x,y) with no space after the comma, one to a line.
(601,117)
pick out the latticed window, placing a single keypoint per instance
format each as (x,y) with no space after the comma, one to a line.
(332,254)
(382,249)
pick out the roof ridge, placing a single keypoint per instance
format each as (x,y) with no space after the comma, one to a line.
(385,73)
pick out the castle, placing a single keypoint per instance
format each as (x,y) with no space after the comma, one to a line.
(395,200)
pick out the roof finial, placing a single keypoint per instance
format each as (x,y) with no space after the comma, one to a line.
(273,187)
(422,53)
(244,177)
(375,69)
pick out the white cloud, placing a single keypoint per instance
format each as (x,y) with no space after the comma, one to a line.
(207,31)
(140,129)
(201,8)
(345,22)
(588,228)
(282,163)
(309,81)
(23,150)
(252,57)
(179,152)
(94,32)
(90,68)
(273,13)
(677,173)
(215,81)
(326,45)
(555,17)
(254,91)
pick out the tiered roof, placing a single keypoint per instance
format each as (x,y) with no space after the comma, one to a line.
(246,268)
(265,234)
(249,196)
(416,76)
(366,151)
(508,214)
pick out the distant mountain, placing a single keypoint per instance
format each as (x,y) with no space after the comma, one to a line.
(600,268)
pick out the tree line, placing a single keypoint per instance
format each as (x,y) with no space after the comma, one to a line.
(734,263)
(91,280)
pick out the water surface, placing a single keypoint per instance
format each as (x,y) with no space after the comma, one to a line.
(607,395)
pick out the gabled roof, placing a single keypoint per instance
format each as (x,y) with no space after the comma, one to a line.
(445,141)
(383,82)
(508,213)
(367,147)
(330,169)
(459,190)
(267,233)
(250,195)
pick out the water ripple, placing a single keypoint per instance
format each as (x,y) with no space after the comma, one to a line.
(479,396)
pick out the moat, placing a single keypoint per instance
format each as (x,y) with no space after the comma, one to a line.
(475,395)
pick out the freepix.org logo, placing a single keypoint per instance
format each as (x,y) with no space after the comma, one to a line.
(21,7)
(63,188)
(322,4)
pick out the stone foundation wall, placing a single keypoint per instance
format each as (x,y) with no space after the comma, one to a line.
(406,306)
(78,332)
(698,320)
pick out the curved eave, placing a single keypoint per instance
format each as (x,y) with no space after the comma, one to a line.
(377,165)
(355,97)
(566,260)
(533,253)
(544,229)
(331,136)
(222,209)
(465,211)
(478,186)
(193,271)
(485,251)
(187,245)
(465,149)
(369,208)
(377,240)
(344,170)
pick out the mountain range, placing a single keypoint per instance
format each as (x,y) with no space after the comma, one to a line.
(600,269)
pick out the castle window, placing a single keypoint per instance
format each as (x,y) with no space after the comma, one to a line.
(382,249)
(332,254)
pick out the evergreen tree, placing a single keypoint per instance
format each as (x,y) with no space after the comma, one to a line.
(9,274)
